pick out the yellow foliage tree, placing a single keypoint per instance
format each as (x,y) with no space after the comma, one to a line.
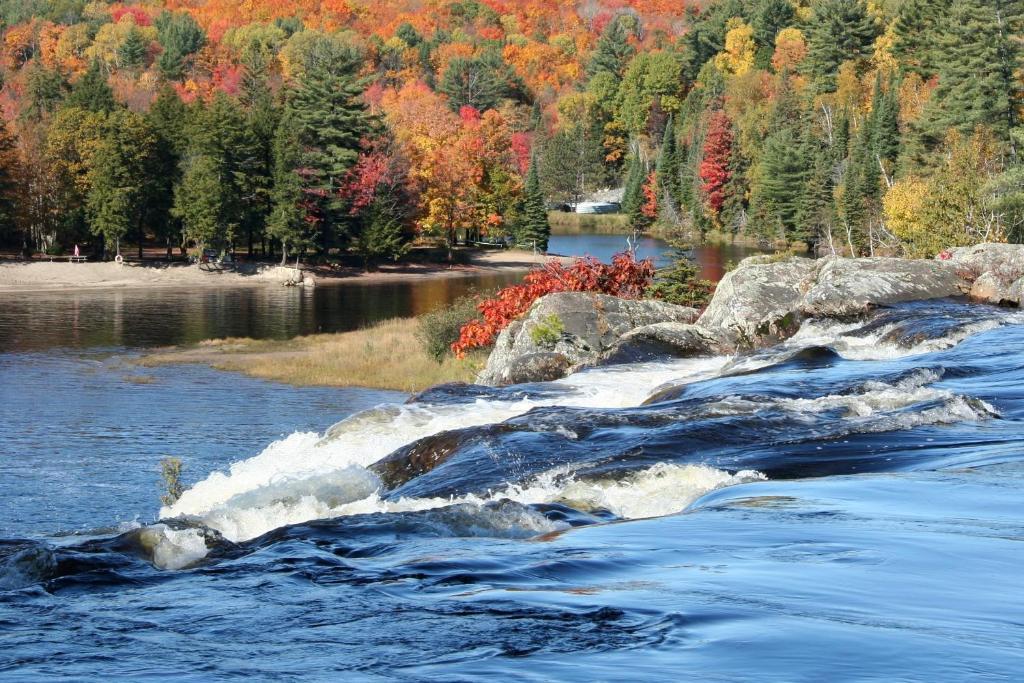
(738,56)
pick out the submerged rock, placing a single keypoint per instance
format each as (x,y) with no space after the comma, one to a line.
(570,329)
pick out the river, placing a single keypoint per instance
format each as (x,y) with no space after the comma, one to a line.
(846,506)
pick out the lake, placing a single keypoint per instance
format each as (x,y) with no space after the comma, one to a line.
(839,507)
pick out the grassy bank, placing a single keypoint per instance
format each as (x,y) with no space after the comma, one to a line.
(563,223)
(385,356)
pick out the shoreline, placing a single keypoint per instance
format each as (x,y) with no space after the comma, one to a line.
(45,276)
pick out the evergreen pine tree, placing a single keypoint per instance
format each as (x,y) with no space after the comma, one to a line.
(180,37)
(132,52)
(780,182)
(262,117)
(167,120)
(885,113)
(535,230)
(633,194)
(119,177)
(839,31)
(91,92)
(382,235)
(668,168)
(861,187)
(288,218)
(331,119)
(613,49)
(1008,192)
(916,32)
(816,208)
(977,76)
(202,202)
(44,90)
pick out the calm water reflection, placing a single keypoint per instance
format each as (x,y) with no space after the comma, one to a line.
(713,259)
(141,318)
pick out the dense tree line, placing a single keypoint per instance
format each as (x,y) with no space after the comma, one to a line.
(291,126)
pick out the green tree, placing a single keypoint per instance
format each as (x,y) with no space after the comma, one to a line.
(1007,192)
(613,50)
(180,37)
(44,91)
(382,235)
(119,177)
(91,92)
(668,169)
(202,202)
(481,82)
(633,193)
(770,17)
(167,119)
(917,29)
(288,218)
(534,231)
(978,82)
(840,30)
(779,185)
(572,161)
(331,120)
(132,52)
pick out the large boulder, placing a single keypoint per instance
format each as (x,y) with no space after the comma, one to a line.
(677,340)
(577,327)
(764,301)
(997,270)
(1003,260)
(758,302)
(849,287)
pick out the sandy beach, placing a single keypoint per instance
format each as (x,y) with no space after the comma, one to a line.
(40,275)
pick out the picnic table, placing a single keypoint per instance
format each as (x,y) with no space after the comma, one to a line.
(71,259)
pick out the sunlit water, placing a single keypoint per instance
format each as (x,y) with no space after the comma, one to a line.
(846,506)
(712,260)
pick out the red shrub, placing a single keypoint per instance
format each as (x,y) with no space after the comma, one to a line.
(624,277)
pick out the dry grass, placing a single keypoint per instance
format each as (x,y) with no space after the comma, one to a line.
(565,223)
(384,356)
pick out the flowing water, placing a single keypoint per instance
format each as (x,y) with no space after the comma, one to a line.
(845,506)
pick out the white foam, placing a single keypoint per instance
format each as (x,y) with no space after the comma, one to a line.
(872,347)
(173,548)
(308,476)
(284,484)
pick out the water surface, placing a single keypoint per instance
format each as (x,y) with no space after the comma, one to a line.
(845,506)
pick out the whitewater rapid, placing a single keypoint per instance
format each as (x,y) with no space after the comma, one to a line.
(307,476)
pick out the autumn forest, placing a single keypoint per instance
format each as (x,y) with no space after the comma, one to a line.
(287,127)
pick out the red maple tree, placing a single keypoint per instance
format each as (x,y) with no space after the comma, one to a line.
(714,168)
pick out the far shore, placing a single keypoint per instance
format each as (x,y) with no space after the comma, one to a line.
(30,276)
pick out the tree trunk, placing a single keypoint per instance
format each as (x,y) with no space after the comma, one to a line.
(284,253)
